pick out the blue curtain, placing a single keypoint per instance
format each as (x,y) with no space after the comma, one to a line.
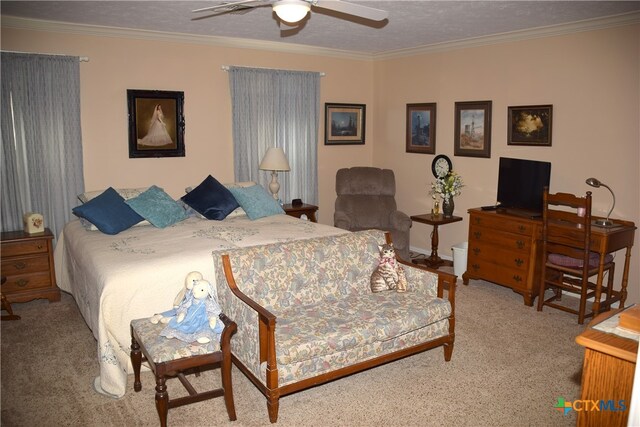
(41,138)
(277,108)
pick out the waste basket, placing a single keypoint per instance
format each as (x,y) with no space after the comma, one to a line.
(460,258)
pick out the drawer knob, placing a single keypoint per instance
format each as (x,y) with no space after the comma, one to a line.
(20,265)
(518,262)
(478,220)
(475,267)
(477,235)
(519,244)
(22,283)
(522,228)
(39,246)
(517,278)
(476,251)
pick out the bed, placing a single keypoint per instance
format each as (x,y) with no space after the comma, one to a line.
(138,272)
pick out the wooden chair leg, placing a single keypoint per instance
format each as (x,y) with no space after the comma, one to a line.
(273,404)
(136,361)
(162,400)
(6,305)
(227,385)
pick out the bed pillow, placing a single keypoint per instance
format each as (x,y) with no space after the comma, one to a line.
(256,202)
(211,199)
(126,193)
(108,212)
(157,207)
(237,211)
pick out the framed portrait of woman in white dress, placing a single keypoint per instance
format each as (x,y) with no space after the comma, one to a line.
(156,123)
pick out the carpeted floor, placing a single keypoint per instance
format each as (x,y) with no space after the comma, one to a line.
(510,364)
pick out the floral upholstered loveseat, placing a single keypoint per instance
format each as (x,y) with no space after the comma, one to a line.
(306,315)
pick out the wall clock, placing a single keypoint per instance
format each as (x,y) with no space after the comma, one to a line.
(441,166)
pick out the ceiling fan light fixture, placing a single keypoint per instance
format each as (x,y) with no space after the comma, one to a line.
(291,10)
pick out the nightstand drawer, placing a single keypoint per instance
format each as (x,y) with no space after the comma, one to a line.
(22,282)
(25,265)
(37,246)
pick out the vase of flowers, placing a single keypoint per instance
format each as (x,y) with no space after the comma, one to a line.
(446,188)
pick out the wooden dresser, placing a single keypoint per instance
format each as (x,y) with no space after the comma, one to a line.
(27,264)
(503,249)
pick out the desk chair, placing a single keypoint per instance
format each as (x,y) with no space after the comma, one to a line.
(567,262)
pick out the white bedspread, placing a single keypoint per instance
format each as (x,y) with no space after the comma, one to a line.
(137,273)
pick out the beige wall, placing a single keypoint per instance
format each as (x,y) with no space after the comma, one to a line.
(118,64)
(591,78)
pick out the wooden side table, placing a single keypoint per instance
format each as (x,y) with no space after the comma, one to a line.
(434,261)
(607,374)
(303,209)
(27,264)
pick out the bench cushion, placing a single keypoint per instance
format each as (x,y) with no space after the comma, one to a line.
(336,325)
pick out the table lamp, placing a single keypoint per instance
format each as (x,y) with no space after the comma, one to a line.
(274,160)
(596,183)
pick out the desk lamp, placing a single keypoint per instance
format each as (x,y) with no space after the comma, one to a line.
(596,183)
(274,160)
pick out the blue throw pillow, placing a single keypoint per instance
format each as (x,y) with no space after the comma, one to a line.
(211,199)
(157,207)
(256,202)
(108,212)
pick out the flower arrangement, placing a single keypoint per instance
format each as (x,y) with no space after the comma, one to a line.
(447,187)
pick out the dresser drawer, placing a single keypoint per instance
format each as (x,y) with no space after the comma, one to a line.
(37,246)
(25,264)
(501,239)
(22,282)
(516,279)
(500,257)
(499,224)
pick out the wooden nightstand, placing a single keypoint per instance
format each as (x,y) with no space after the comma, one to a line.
(303,209)
(27,263)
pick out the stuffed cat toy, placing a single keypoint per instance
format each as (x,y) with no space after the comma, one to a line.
(389,274)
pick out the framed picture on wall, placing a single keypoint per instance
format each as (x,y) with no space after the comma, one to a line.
(156,123)
(472,129)
(344,123)
(529,125)
(421,128)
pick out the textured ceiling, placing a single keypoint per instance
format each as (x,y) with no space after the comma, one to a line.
(411,24)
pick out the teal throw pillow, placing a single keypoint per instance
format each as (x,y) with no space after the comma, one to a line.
(256,202)
(157,207)
(108,212)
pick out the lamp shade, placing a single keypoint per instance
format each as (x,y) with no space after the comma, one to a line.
(275,160)
(291,10)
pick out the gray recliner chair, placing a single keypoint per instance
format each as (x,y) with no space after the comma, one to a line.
(366,199)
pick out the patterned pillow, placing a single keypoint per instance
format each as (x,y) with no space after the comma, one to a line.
(211,199)
(157,207)
(108,212)
(256,202)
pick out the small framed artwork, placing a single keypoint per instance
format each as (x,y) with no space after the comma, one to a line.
(421,128)
(472,133)
(344,123)
(530,125)
(156,123)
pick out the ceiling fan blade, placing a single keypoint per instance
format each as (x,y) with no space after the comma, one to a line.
(353,9)
(230,6)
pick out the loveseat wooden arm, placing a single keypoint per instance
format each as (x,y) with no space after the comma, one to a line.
(267,327)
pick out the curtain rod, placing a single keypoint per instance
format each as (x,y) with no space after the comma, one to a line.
(226,68)
(80,58)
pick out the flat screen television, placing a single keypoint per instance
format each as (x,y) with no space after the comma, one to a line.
(521,184)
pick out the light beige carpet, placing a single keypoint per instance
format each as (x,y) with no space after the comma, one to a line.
(510,364)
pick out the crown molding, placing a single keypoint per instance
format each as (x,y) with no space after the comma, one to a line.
(531,33)
(129,33)
(238,43)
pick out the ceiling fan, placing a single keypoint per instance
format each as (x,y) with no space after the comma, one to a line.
(292,11)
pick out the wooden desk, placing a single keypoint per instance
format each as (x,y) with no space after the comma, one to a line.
(505,249)
(434,260)
(607,373)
